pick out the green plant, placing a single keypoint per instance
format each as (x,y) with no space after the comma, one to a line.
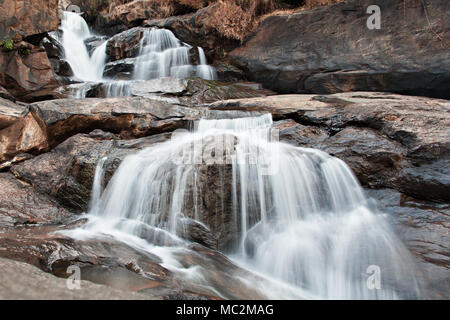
(24,51)
(7,44)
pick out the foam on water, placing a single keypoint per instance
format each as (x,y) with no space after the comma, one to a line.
(297,216)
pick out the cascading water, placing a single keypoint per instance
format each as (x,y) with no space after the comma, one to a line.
(204,70)
(294,214)
(75,31)
(161,55)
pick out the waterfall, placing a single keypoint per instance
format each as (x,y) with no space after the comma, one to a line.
(75,31)
(97,186)
(203,69)
(297,215)
(161,54)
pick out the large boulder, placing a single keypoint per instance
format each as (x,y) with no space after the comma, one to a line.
(330,49)
(125,44)
(19,131)
(24,18)
(29,76)
(388,140)
(128,116)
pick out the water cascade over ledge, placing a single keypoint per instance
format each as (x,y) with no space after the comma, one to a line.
(161,54)
(295,215)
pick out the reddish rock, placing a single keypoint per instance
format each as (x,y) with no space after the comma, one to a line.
(27,77)
(23,18)
(19,131)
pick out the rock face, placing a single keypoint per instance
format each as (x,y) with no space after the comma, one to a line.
(21,205)
(27,77)
(24,18)
(67,172)
(125,44)
(19,131)
(330,49)
(388,140)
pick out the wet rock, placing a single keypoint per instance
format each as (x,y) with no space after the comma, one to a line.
(330,49)
(104,260)
(21,204)
(424,227)
(194,231)
(120,69)
(24,281)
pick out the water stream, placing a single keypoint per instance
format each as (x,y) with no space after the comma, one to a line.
(297,216)
(161,55)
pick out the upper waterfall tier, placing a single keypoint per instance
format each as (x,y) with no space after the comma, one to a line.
(161,54)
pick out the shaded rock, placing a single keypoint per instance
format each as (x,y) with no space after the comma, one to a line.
(194,231)
(228,72)
(124,45)
(330,49)
(94,42)
(120,69)
(300,135)
(6,95)
(375,159)
(24,18)
(21,204)
(424,227)
(19,131)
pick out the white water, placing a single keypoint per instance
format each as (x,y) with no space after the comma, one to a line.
(204,70)
(75,31)
(161,55)
(296,215)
